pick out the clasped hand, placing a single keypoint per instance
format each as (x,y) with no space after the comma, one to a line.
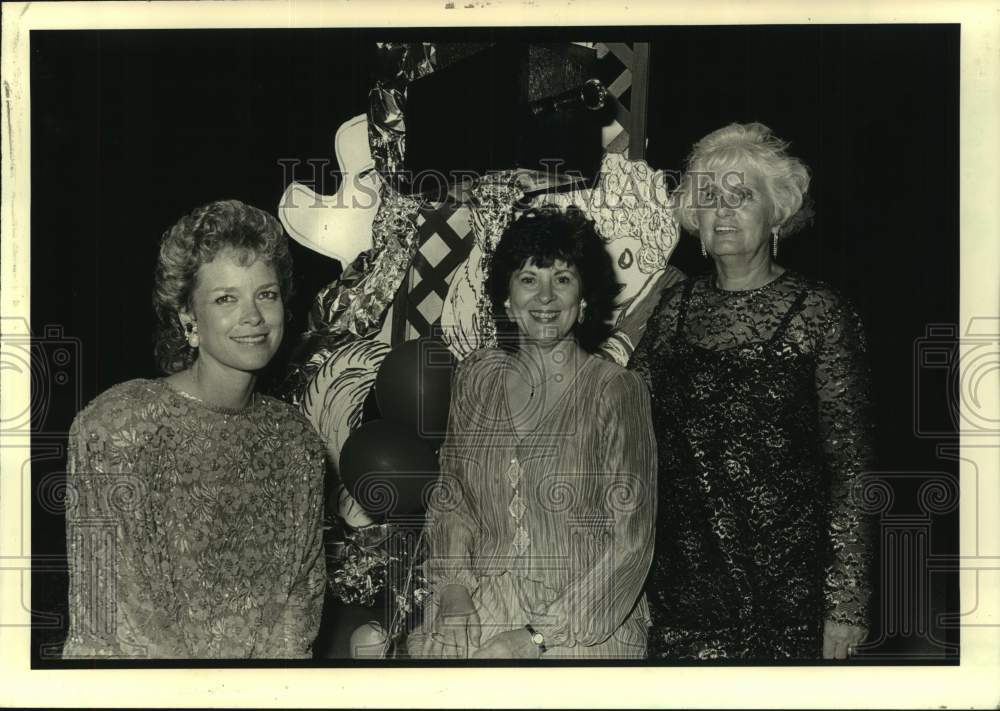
(457,632)
(456,627)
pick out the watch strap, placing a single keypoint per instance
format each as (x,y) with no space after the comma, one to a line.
(536,638)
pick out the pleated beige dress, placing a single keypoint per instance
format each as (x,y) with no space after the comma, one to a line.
(554,527)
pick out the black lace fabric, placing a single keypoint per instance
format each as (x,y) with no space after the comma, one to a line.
(760,404)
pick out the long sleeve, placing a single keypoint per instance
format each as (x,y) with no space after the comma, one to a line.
(598,600)
(90,547)
(111,581)
(843,389)
(451,510)
(295,631)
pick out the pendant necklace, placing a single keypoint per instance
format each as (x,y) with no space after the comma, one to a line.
(558,377)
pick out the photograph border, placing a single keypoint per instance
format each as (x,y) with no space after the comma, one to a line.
(971,684)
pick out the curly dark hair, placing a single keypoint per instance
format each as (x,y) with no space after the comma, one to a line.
(197,239)
(544,235)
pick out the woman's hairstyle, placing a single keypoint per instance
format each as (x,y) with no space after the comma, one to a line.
(197,239)
(737,146)
(543,236)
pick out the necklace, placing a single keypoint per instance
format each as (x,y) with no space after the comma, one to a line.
(526,372)
(221,409)
(558,378)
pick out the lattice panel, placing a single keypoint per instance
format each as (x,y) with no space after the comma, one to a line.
(445,234)
(624,69)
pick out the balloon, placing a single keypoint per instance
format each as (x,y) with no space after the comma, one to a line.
(413,387)
(369,409)
(368,641)
(387,469)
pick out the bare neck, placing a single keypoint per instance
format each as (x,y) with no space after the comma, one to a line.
(550,359)
(742,274)
(216,385)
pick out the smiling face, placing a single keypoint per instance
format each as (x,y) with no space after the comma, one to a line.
(239,313)
(735,213)
(544,301)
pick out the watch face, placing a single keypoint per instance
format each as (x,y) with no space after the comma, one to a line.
(537,638)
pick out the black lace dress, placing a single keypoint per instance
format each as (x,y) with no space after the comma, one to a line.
(759,402)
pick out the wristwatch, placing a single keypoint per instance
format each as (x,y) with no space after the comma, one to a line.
(537,638)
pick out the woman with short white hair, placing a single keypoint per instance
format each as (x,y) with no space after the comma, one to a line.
(760,394)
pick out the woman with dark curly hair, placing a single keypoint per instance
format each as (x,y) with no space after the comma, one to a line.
(541,528)
(760,405)
(194,521)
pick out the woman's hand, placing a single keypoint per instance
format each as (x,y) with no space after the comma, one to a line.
(456,627)
(840,639)
(515,644)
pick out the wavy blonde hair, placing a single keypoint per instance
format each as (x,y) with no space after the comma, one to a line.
(197,239)
(738,146)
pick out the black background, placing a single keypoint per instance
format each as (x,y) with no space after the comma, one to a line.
(132,129)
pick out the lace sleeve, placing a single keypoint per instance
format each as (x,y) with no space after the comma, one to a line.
(843,389)
(296,628)
(111,576)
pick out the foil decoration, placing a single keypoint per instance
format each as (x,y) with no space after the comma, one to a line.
(398,64)
(467,315)
(361,309)
(355,305)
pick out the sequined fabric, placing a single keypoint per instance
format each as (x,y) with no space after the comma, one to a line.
(193,532)
(494,200)
(760,408)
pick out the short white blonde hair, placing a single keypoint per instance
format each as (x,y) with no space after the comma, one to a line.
(737,146)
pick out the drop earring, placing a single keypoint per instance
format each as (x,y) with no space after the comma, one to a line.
(774,248)
(192,334)
(704,249)
(581,314)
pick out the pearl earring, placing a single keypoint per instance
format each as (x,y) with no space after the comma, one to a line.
(583,309)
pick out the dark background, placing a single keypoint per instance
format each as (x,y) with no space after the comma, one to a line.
(132,129)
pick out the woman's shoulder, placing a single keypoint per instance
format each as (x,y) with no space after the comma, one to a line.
(819,297)
(482,362)
(284,414)
(126,401)
(124,418)
(608,377)
(290,419)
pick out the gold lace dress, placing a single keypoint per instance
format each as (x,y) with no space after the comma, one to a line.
(193,532)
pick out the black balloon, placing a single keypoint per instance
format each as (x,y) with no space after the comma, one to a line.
(413,387)
(369,408)
(387,469)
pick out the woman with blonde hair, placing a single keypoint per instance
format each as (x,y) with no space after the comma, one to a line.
(194,518)
(760,400)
